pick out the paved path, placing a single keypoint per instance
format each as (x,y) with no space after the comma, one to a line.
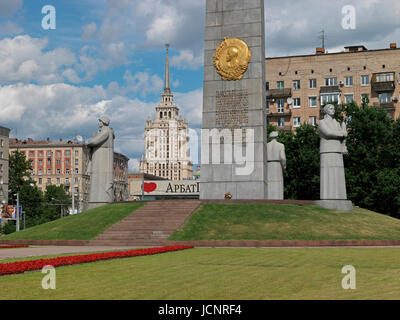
(44,251)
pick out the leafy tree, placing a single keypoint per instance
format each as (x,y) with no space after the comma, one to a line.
(372,165)
(19,173)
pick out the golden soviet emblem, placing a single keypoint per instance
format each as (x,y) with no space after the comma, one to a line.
(232,59)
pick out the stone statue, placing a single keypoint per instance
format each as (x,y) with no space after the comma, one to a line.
(276,164)
(102,165)
(333,145)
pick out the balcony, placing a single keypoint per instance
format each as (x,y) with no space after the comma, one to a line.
(279,93)
(279,114)
(386,86)
(329,89)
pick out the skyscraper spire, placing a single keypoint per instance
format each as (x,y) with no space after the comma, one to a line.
(167,85)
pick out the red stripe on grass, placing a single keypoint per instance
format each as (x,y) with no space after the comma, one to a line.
(23,266)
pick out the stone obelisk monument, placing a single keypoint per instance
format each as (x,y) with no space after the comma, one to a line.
(234,135)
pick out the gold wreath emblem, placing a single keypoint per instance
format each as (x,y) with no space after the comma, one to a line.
(232,59)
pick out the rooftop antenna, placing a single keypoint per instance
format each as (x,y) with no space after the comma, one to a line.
(322,38)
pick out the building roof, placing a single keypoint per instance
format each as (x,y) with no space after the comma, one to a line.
(30,143)
(4,131)
(334,53)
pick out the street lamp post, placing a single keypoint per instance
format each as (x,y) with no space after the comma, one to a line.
(17,212)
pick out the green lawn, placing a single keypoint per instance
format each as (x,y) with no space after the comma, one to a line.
(221,274)
(83,226)
(285,222)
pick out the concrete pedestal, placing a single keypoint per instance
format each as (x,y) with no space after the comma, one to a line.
(339,205)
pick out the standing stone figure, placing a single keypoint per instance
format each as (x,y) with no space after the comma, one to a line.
(102,165)
(276,164)
(333,145)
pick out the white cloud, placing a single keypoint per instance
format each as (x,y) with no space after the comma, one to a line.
(89,30)
(187,60)
(143,83)
(22,59)
(134,165)
(10,28)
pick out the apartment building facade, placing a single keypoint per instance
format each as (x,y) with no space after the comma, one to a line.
(67,163)
(4,157)
(299,86)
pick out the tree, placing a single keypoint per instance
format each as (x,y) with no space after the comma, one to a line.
(56,201)
(372,165)
(19,173)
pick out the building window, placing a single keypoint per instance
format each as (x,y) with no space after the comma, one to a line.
(267,86)
(49,162)
(329,82)
(280,85)
(76,153)
(58,153)
(296,103)
(67,171)
(31,154)
(40,172)
(48,171)
(1,154)
(348,81)
(296,122)
(77,171)
(49,154)
(76,162)
(40,153)
(40,162)
(312,121)
(281,122)
(40,181)
(58,181)
(385,97)
(58,162)
(329,98)
(281,106)
(348,98)
(48,181)
(68,153)
(365,80)
(58,171)
(267,106)
(384,77)
(67,162)
(313,101)
(313,83)
(296,85)
(1,168)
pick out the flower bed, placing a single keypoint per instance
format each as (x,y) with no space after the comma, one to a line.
(23,266)
(14,246)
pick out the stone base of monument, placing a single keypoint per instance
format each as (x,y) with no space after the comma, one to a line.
(339,205)
(94,205)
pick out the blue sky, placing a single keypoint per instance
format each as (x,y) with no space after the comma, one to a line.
(107,57)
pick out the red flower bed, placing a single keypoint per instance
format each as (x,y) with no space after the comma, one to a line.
(23,266)
(14,246)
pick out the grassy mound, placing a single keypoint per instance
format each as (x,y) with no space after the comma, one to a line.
(285,222)
(83,226)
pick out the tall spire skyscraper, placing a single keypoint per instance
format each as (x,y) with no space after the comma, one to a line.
(167,138)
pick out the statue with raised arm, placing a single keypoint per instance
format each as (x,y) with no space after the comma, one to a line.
(332,147)
(102,165)
(276,165)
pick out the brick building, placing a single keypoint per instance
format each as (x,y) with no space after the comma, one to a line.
(67,163)
(4,142)
(298,86)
